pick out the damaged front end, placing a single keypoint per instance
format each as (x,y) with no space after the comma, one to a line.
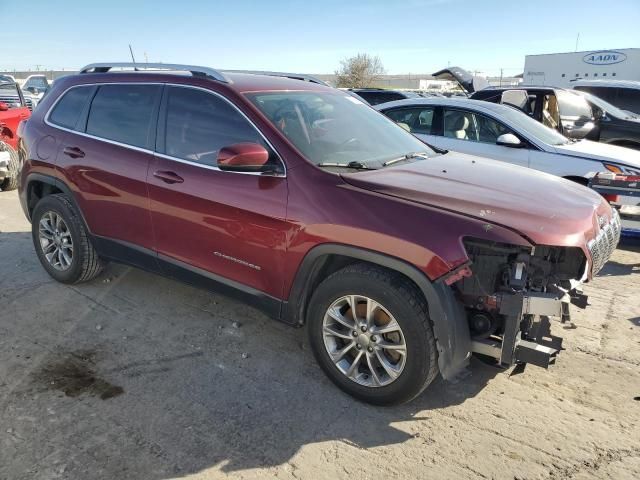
(510,291)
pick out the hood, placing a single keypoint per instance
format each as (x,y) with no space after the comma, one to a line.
(602,151)
(547,210)
(469,83)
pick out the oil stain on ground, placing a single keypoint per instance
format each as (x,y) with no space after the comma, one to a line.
(74,374)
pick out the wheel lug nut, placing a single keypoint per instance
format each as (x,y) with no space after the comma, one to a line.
(374,338)
(354,333)
(363,328)
(370,349)
(358,346)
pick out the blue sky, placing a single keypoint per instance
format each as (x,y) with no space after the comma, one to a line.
(411,36)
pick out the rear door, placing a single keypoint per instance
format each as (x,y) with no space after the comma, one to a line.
(207,221)
(476,134)
(105,157)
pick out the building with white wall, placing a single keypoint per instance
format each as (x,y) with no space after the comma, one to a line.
(558,69)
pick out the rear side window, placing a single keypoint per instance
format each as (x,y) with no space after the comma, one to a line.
(199,124)
(375,98)
(124,113)
(67,111)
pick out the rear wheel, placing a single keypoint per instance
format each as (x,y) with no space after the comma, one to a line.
(10,182)
(370,332)
(61,241)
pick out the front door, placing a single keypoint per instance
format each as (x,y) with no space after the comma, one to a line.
(226,225)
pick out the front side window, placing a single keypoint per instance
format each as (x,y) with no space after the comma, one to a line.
(415,120)
(465,125)
(629,99)
(330,127)
(123,113)
(199,124)
(459,124)
(67,111)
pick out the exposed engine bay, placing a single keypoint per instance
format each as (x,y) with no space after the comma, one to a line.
(509,291)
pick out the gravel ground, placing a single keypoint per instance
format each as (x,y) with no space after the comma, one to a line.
(136,376)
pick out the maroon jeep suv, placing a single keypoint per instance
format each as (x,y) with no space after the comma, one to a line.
(400,260)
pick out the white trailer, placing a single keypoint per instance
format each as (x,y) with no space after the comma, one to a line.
(558,69)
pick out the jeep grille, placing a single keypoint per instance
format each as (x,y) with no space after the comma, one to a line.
(605,243)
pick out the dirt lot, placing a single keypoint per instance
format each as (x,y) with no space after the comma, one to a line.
(136,376)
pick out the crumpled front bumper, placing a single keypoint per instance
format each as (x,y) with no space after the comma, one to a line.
(527,337)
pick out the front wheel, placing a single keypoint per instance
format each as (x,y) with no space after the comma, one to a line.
(369,330)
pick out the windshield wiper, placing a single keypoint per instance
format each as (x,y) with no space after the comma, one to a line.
(407,156)
(353,164)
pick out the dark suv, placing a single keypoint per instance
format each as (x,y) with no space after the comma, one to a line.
(400,261)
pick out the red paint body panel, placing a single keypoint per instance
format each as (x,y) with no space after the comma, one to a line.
(9,120)
(214,215)
(256,230)
(110,188)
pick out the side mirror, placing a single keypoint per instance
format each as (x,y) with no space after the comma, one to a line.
(509,140)
(243,157)
(3,107)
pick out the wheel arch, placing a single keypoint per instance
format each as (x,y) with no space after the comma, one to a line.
(446,313)
(38,186)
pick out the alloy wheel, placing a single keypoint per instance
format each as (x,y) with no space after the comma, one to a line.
(55,240)
(364,341)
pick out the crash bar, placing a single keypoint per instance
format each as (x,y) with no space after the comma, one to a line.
(195,70)
(295,76)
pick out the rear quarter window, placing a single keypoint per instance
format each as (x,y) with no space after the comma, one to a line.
(67,111)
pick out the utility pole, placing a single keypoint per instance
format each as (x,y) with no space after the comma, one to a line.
(501,77)
(577,39)
(131,51)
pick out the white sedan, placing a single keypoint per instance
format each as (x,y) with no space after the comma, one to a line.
(504,133)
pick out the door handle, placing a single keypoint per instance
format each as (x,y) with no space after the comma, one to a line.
(168,177)
(73,152)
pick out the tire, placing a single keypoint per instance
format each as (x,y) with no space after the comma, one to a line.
(85,263)
(11,182)
(398,299)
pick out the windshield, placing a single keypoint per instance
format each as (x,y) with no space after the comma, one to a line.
(39,83)
(572,105)
(605,106)
(331,127)
(533,128)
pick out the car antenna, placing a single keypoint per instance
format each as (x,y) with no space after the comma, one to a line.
(133,59)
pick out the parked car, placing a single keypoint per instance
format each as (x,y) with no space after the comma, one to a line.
(616,126)
(504,133)
(12,111)
(624,94)
(35,87)
(374,96)
(399,260)
(558,108)
(555,108)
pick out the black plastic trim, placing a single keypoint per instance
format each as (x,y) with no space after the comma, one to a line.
(447,314)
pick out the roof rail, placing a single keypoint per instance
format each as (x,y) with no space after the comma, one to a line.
(195,70)
(294,76)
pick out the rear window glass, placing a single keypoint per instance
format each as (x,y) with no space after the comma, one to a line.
(123,113)
(67,111)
